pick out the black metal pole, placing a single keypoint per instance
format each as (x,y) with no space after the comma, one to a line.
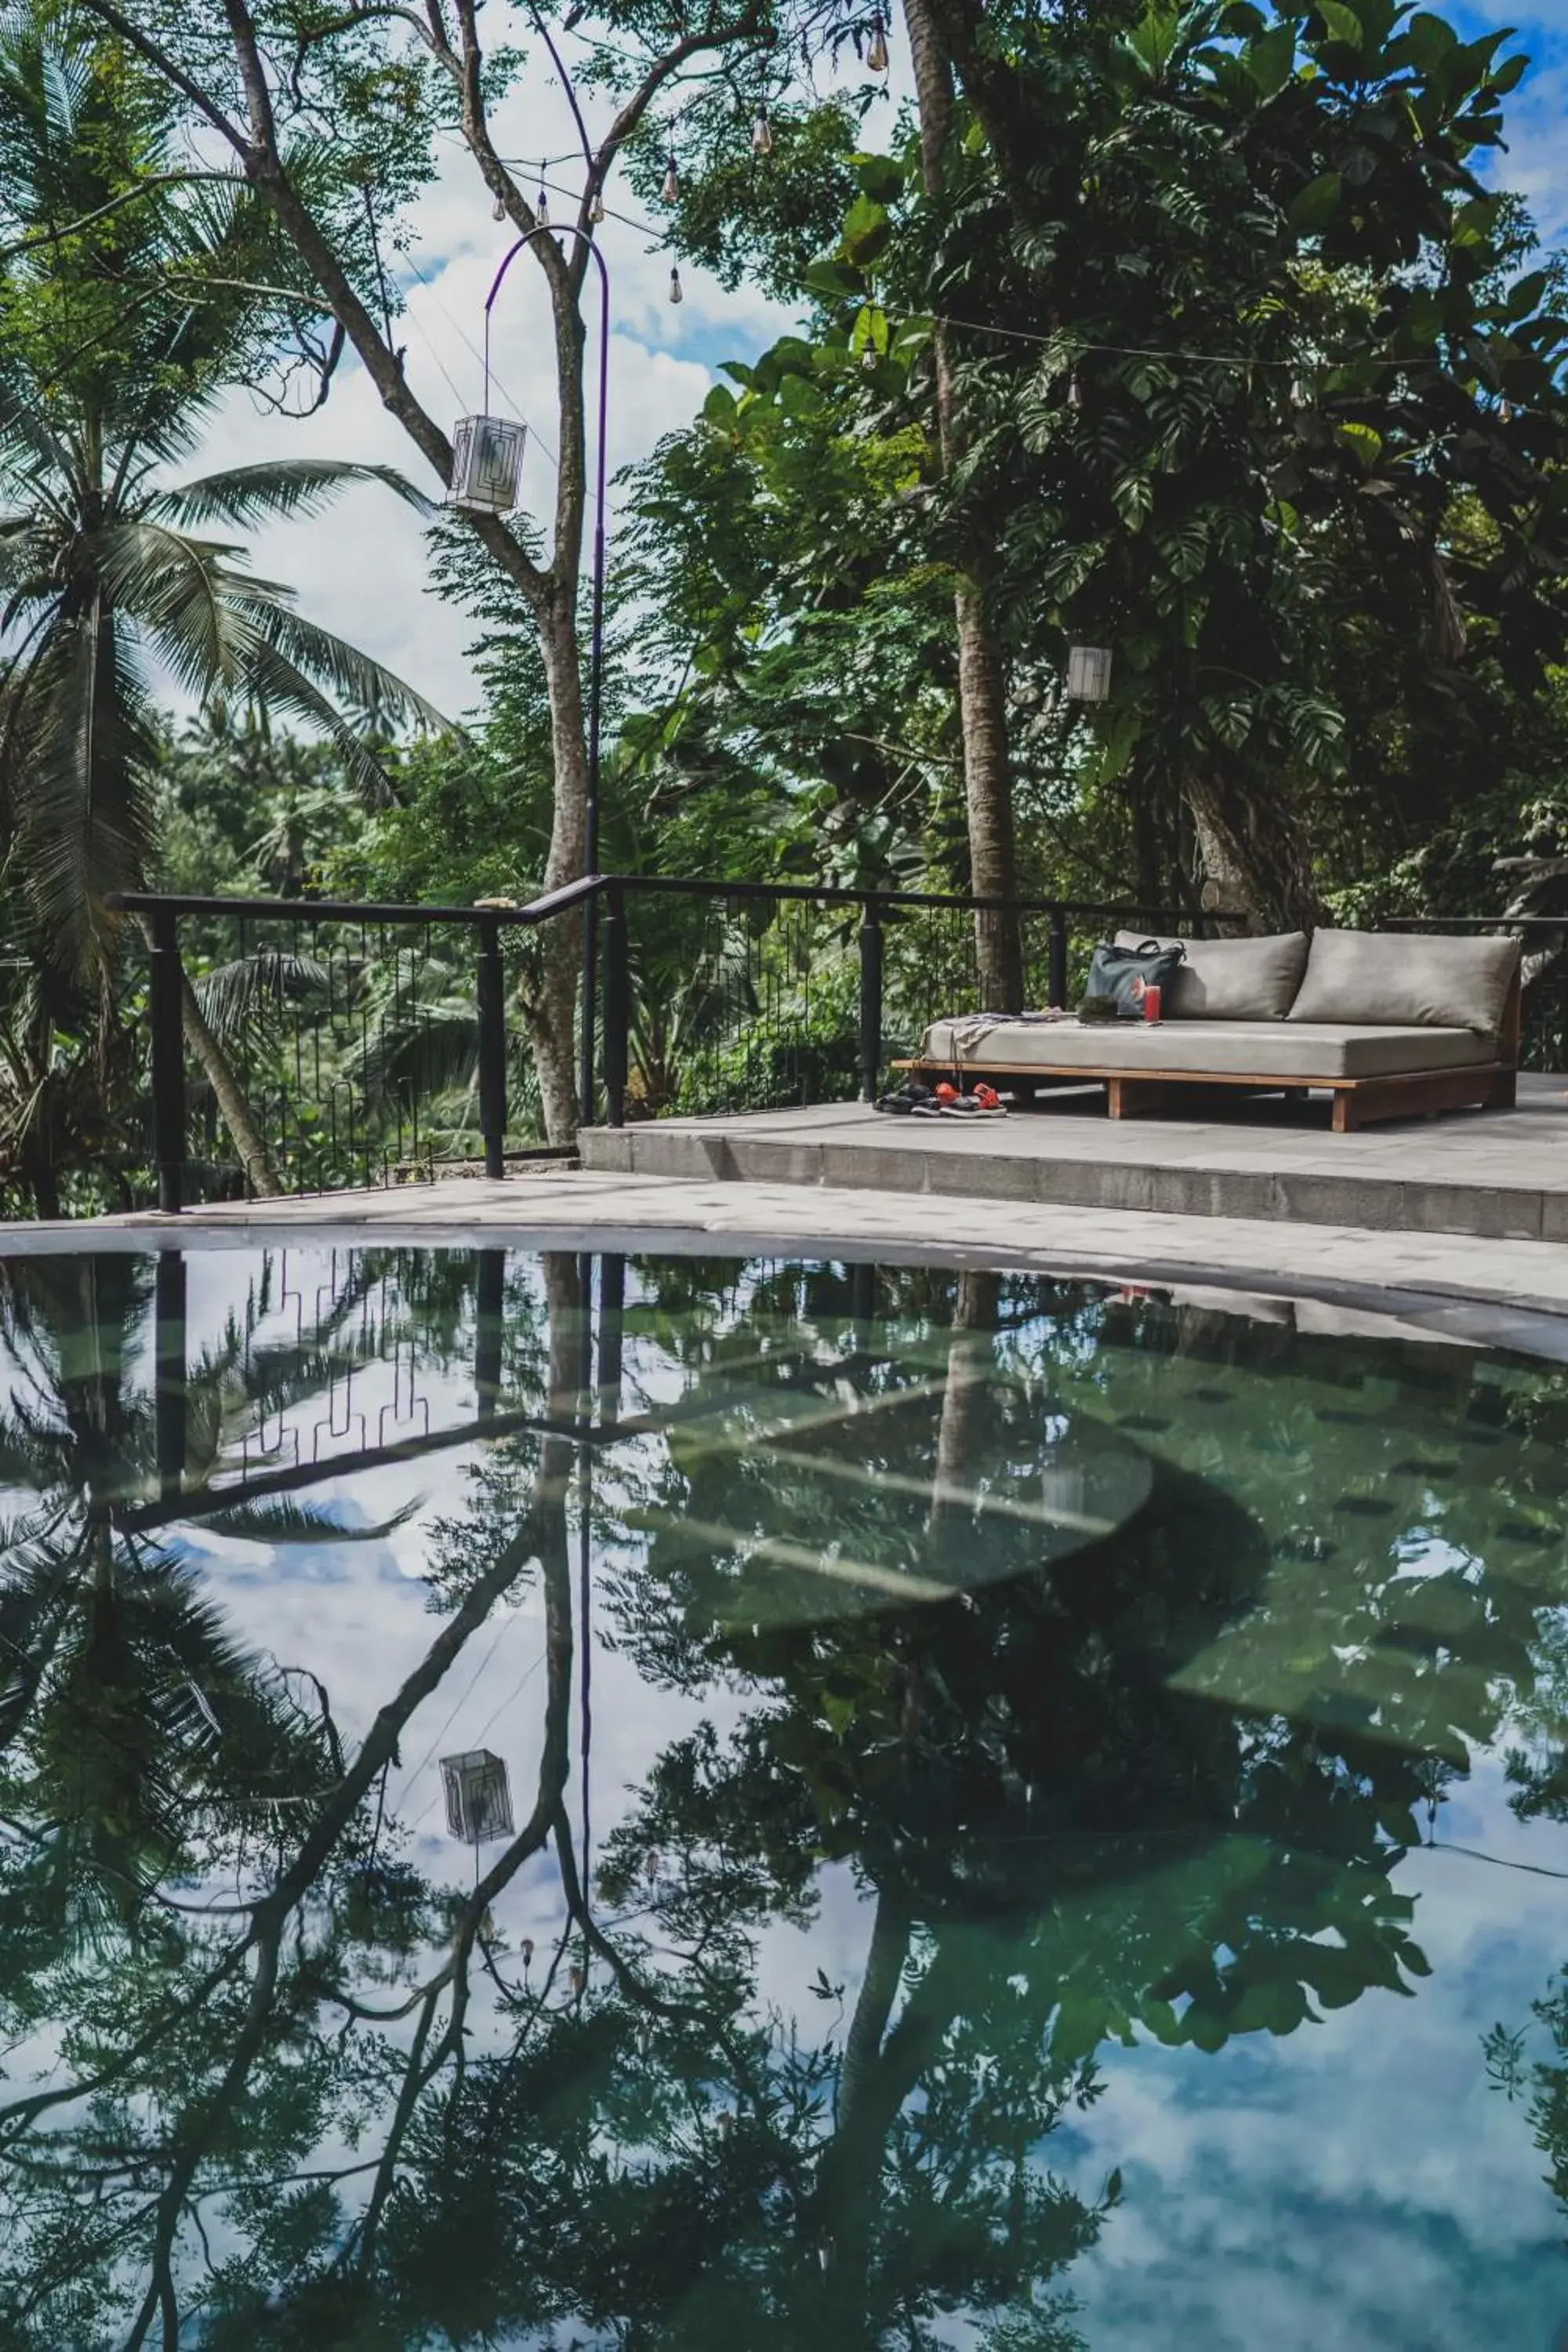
(490,1305)
(612,1330)
(871,1002)
(166,1013)
(1057,985)
(618,1010)
(489,991)
(171,1394)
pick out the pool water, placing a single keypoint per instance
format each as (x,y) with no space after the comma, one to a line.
(1012,1813)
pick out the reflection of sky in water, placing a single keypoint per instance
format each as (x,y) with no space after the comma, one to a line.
(1357,2183)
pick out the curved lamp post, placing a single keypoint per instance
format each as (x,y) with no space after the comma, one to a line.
(499,500)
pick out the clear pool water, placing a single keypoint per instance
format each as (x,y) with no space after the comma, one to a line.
(1018,1815)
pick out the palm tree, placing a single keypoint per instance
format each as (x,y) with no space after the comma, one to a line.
(119,338)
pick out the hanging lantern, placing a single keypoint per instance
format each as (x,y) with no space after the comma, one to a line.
(674,293)
(877,48)
(541,207)
(761,133)
(478,1796)
(670,192)
(487,464)
(596,209)
(1088,672)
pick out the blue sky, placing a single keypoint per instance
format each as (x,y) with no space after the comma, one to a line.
(363,571)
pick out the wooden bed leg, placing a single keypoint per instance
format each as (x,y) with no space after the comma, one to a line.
(1125,1097)
(1345,1121)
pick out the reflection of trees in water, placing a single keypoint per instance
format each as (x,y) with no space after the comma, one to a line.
(296,2088)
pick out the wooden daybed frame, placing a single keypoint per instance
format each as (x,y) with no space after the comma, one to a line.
(1358,1102)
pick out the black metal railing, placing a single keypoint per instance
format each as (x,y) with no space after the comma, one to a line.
(370,1043)
(374,1044)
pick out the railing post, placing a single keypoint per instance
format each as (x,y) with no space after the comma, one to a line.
(166,1012)
(170,1373)
(586,1105)
(870,1000)
(490,1000)
(490,1312)
(1056,976)
(617,1005)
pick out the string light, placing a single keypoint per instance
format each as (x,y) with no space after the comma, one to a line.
(497,210)
(877,48)
(674,293)
(541,207)
(761,133)
(596,209)
(1075,389)
(670,192)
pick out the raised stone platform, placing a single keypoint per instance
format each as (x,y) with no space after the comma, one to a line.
(1497,1175)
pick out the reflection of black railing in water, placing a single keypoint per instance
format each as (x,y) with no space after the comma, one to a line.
(715,996)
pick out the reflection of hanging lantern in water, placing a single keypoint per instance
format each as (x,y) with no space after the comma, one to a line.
(478,1796)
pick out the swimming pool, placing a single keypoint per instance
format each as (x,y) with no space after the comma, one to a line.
(1015,1813)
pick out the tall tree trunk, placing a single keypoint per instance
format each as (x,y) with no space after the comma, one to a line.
(1257,860)
(981,693)
(233,1108)
(554,997)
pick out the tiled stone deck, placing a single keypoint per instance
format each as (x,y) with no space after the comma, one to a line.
(1500,1175)
(1455,1226)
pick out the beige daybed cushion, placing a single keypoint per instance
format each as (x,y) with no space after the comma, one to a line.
(1289,1050)
(1397,977)
(1232,980)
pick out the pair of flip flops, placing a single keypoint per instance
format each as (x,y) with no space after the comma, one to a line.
(914,1100)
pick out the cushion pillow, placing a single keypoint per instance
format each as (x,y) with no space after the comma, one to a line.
(1235,979)
(1402,977)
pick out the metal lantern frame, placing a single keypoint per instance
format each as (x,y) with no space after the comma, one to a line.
(1088,672)
(479,1797)
(487,461)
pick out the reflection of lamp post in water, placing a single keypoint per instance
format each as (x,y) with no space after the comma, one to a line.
(487,461)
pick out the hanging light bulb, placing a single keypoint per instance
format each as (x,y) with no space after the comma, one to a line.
(1075,389)
(761,133)
(542,206)
(877,48)
(674,293)
(497,210)
(670,192)
(596,209)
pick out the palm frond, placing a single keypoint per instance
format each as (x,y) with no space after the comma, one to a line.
(237,1000)
(355,678)
(251,494)
(426,1052)
(280,1519)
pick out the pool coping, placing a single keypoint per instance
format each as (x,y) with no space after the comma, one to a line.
(1470,1314)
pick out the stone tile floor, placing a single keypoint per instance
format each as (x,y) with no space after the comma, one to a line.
(1499,1291)
(1494,1174)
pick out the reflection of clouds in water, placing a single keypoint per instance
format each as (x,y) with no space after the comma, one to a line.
(1357,2183)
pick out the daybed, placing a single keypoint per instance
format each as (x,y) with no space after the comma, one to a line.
(1392,1025)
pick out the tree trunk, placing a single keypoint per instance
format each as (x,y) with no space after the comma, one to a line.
(233,1108)
(982,692)
(1259,862)
(554,998)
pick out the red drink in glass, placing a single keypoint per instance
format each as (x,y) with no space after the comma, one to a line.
(1150,1001)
